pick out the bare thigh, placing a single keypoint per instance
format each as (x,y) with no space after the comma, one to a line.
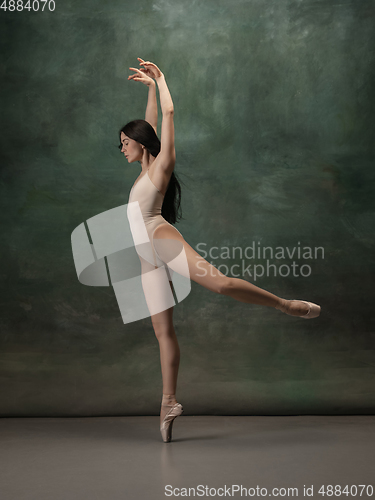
(200,270)
(162,321)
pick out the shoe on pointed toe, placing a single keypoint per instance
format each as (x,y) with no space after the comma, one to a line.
(313,312)
(167,423)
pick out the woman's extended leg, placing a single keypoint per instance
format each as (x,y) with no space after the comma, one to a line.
(207,275)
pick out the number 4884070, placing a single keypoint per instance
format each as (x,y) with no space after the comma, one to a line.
(34,5)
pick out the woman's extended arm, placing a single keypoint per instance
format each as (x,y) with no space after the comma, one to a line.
(152,106)
(167,151)
(166,102)
(167,155)
(142,75)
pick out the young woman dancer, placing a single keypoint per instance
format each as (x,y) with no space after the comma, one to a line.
(157,190)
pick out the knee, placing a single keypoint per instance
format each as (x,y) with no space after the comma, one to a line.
(163,332)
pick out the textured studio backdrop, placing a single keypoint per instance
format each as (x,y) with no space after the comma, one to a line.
(274,121)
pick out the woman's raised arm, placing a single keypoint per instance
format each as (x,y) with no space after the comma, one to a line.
(141,75)
(152,107)
(167,155)
(167,152)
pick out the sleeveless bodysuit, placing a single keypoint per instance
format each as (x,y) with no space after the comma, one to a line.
(150,201)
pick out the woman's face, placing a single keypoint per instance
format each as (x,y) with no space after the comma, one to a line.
(132,149)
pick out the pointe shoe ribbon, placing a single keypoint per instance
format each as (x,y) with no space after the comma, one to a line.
(166,425)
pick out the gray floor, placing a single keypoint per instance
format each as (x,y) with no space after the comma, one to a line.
(124,457)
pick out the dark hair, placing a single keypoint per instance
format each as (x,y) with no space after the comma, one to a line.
(142,132)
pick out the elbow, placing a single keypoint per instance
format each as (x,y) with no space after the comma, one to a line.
(169,111)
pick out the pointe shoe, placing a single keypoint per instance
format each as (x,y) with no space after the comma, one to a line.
(313,312)
(167,423)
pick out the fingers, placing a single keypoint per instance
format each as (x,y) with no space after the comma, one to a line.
(142,62)
(143,74)
(141,77)
(135,76)
(140,71)
(146,63)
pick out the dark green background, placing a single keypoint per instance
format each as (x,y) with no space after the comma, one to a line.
(274,118)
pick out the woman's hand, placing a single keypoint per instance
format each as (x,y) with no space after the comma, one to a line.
(141,76)
(150,68)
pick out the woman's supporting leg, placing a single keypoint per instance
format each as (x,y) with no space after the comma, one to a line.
(169,356)
(162,323)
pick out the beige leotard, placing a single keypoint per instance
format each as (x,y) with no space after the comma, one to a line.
(150,201)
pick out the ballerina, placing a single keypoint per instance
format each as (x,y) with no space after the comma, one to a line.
(158,193)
